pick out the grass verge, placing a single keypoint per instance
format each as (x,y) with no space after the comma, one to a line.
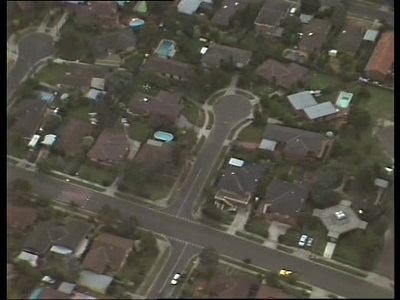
(84,184)
(338,267)
(249,237)
(134,199)
(285,249)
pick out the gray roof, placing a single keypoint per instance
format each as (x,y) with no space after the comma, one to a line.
(66,287)
(94,282)
(295,140)
(188,6)
(241,180)
(320,110)
(381,183)
(305,19)
(28,116)
(349,39)
(227,10)
(371,35)
(335,226)
(286,198)
(117,41)
(315,34)
(48,234)
(302,100)
(272,12)
(220,53)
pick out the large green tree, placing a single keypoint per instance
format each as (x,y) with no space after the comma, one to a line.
(310,7)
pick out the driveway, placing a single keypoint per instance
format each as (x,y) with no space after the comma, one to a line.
(276,229)
(31,49)
(229,110)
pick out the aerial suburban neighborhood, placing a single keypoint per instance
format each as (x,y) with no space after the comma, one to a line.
(200,149)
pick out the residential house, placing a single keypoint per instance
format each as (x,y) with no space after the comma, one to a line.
(108,254)
(102,14)
(238,185)
(63,239)
(110,148)
(79,77)
(218,55)
(227,11)
(281,75)
(223,286)
(380,64)
(70,139)
(108,48)
(321,112)
(165,105)
(269,292)
(314,35)
(349,40)
(371,35)
(169,68)
(301,100)
(270,17)
(305,19)
(294,143)
(28,116)
(284,201)
(153,153)
(97,283)
(21,217)
(189,7)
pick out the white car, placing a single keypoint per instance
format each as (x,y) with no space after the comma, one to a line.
(303,240)
(176,278)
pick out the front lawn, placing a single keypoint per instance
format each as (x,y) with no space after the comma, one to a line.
(97,174)
(290,238)
(258,225)
(251,133)
(140,131)
(381,104)
(322,81)
(51,74)
(194,114)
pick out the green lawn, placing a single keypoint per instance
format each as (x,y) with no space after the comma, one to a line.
(81,112)
(159,191)
(140,131)
(258,225)
(51,74)
(251,134)
(381,104)
(193,114)
(321,81)
(97,174)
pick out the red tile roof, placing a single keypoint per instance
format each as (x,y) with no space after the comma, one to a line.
(382,58)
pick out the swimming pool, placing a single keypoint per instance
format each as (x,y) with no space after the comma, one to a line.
(163,136)
(166,49)
(344,99)
(46,97)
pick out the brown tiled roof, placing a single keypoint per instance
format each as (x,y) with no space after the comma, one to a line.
(314,34)
(72,134)
(350,39)
(168,66)
(223,286)
(227,10)
(282,75)
(164,104)
(268,292)
(111,146)
(382,58)
(107,253)
(29,115)
(150,155)
(217,53)
(21,217)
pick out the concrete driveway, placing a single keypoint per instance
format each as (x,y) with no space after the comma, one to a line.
(276,229)
(31,49)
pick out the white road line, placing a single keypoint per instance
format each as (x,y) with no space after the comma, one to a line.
(190,190)
(173,269)
(181,241)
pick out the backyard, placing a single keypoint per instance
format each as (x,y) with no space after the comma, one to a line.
(322,81)
(51,74)
(381,104)
(140,131)
(251,134)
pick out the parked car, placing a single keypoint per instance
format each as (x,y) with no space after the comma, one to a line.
(176,278)
(303,240)
(310,240)
(285,273)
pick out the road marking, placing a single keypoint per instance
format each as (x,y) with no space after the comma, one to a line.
(190,190)
(180,241)
(189,221)
(173,269)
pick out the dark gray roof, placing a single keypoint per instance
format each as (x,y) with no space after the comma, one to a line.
(296,140)
(314,34)
(48,234)
(28,116)
(286,198)
(302,100)
(79,75)
(227,10)
(349,39)
(272,12)
(217,53)
(241,180)
(117,41)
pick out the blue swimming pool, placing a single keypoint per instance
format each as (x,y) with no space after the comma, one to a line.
(36,294)
(166,49)
(163,136)
(46,97)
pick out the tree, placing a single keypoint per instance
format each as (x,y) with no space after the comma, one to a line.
(338,17)
(44,166)
(70,45)
(272,279)
(310,7)
(292,25)
(108,215)
(128,228)
(324,198)
(148,242)
(209,258)
(360,118)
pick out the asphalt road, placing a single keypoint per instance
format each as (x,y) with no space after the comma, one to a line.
(31,49)
(192,232)
(228,112)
